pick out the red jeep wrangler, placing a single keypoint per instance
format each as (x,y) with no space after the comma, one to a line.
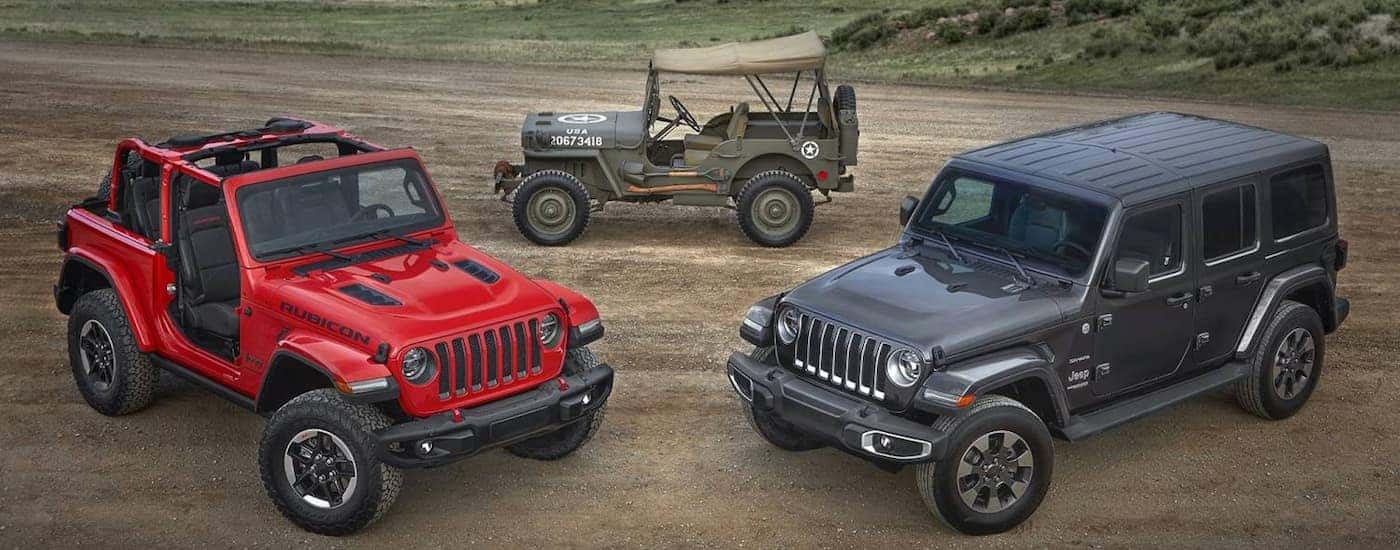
(314,277)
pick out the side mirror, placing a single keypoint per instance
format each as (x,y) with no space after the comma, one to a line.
(1130,275)
(906,209)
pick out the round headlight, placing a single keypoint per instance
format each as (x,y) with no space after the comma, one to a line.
(418,365)
(904,367)
(788,326)
(550,331)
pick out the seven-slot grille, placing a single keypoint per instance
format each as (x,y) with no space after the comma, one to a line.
(489,358)
(842,356)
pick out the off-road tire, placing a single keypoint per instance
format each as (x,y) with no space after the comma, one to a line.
(775,181)
(1256,392)
(564,441)
(377,484)
(937,480)
(774,430)
(845,98)
(133,377)
(551,181)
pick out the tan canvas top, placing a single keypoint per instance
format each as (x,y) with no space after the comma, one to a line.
(776,55)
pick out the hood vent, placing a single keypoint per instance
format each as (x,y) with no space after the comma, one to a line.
(481,272)
(369,296)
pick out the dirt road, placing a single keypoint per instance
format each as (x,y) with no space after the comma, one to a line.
(674,464)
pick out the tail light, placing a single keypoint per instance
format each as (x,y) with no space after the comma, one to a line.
(1340,261)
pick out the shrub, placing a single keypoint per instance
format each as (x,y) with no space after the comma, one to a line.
(861,33)
(949,32)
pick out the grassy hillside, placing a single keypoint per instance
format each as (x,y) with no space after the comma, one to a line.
(1318,52)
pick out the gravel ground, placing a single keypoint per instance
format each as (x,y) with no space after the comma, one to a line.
(674,464)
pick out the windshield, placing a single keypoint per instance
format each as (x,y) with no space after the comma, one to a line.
(1054,229)
(294,215)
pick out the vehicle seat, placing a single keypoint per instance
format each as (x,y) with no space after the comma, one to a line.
(145,192)
(226,170)
(209,271)
(698,146)
(316,206)
(1038,224)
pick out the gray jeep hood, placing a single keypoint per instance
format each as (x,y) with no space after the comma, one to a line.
(584,130)
(927,301)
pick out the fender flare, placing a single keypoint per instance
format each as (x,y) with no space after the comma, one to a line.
(784,161)
(942,390)
(136,315)
(1274,292)
(350,365)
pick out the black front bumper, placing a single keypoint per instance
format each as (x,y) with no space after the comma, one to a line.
(536,412)
(844,421)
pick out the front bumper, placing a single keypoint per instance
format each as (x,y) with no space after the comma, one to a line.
(458,434)
(846,422)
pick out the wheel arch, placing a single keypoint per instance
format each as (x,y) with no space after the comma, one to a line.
(288,375)
(1019,373)
(83,273)
(773,161)
(1309,285)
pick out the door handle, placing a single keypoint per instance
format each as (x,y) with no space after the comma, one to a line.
(1247,278)
(1178,299)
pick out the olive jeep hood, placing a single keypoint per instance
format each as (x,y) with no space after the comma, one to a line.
(584,130)
(928,301)
(419,295)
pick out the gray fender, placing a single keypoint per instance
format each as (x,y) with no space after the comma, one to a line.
(942,389)
(1282,285)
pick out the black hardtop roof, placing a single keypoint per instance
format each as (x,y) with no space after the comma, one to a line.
(1147,156)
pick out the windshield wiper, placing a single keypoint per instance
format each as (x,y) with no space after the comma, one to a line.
(312,249)
(1019,267)
(382,234)
(949,244)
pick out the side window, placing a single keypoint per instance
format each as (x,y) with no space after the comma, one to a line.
(1299,201)
(1154,236)
(1228,222)
(965,200)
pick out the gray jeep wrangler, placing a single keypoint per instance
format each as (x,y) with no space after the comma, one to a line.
(764,164)
(1060,284)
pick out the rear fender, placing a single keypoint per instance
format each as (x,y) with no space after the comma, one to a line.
(944,390)
(78,267)
(1277,290)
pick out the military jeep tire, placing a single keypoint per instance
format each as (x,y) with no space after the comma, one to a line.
(318,463)
(775,208)
(551,208)
(997,471)
(564,441)
(774,430)
(113,375)
(1286,364)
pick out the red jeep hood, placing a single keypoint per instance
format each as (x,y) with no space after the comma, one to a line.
(436,297)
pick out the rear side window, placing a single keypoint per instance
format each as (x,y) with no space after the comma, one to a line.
(1299,201)
(1154,236)
(1228,220)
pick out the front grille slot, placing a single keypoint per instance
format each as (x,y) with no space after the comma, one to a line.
(497,356)
(840,356)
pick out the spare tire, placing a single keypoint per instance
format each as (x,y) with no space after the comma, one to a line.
(845,98)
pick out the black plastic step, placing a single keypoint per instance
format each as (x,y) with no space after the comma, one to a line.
(1085,425)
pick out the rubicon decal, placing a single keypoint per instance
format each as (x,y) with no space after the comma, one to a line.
(328,324)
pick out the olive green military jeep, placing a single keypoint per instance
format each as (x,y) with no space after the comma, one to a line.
(764,163)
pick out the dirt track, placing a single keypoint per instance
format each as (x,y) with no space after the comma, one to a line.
(674,464)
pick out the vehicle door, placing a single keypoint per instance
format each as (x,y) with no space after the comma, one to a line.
(201,340)
(1146,336)
(1229,268)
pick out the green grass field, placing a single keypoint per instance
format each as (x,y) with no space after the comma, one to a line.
(621,33)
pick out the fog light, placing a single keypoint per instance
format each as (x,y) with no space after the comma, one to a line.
(425,447)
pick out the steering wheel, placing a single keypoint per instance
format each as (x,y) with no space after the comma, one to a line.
(1069,246)
(683,114)
(369,212)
